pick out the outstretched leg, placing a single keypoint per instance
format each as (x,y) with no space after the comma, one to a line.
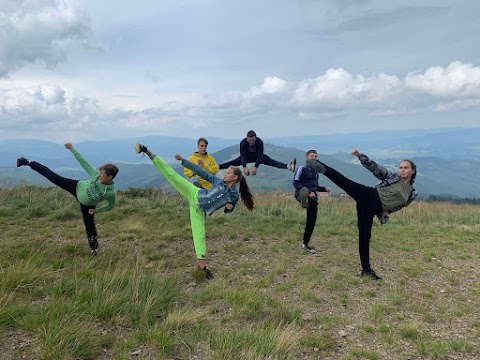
(352,188)
(69,185)
(182,185)
(267,160)
(234,162)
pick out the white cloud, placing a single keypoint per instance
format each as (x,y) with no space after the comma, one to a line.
(333,95)
(43,28)
(44,105)
(271,85)
(337,87)
(456,80)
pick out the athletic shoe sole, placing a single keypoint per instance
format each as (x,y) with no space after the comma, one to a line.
(303,197)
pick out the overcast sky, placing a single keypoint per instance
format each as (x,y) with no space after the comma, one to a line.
(101,69)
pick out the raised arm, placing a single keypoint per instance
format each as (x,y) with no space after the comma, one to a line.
(91,171)
(188,173)
(381,172)
(204,174)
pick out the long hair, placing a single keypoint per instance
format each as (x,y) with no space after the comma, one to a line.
(245,194)
(414,168)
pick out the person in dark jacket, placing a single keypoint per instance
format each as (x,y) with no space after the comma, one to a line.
(394,192)
(306,186)
(251,151)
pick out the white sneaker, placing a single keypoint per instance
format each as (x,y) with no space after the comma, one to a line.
(308,249)
(292,164)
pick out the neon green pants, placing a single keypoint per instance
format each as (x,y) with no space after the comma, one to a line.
(190,192)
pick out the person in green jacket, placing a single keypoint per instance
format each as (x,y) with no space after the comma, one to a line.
(87,192)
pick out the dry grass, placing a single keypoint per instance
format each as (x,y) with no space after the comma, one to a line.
(138,298)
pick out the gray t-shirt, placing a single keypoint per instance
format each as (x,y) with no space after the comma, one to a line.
(395,195)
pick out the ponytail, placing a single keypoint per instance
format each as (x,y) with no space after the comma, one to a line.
(245,194)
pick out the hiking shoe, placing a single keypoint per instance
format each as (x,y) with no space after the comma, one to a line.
(303,197)
(208,273)
(383,218)
(292,164)
(317,165)
(139,148)
(308,249)
(370,273)
(93,243)
(22,162)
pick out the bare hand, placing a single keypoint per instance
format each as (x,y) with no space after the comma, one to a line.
(229,206)
(254,171)
(355,152)
(91,211)
(178,157)
(312,195)
(200,162)
(69,146)
(245,171)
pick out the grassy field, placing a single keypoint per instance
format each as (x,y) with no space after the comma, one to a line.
(138,298)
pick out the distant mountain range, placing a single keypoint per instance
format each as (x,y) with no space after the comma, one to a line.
(448,159)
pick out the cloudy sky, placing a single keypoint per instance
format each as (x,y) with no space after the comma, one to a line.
(89,70)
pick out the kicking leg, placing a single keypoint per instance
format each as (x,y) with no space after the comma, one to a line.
(62,182)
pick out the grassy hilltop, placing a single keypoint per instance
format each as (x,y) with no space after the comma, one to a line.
(138,298)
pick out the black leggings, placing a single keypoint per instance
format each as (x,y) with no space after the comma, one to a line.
(368,205)
(69,185)
(266,160)
(312,211)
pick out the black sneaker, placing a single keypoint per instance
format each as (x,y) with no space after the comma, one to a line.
(383,218)
(93,243)
(303,197)
(317,165)
(139,148)
(22,162)
(292,165)
(208,273)
(370,273)
(308,249)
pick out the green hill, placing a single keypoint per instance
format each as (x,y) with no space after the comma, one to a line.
(138,299)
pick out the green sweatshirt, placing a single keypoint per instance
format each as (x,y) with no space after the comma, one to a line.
(91,192)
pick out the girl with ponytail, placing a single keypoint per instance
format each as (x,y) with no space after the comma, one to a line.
(202,202)
(394,192)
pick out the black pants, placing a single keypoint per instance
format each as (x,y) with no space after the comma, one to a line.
(368,205)
(266,160)
(69,185)
(312,212)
